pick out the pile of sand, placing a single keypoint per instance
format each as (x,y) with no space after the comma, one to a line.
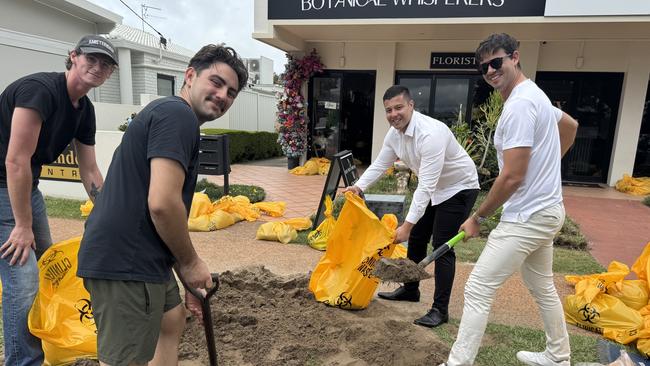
(260,318)
(264,319)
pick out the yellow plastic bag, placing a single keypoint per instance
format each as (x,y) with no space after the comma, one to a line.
(636,186)
(313,166)
(643,343)
(62,315)
(221,219)
(606,315)
(276,231)
(86,208)
(201,205)
(201,223)
(399,252)
(343,278)
(317,239)
(274,209)
(633,293)
(299,223)
(640,266)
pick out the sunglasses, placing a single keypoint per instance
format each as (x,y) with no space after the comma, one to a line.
(496,64)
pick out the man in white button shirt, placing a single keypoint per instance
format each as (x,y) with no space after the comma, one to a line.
(531,138)
(446,192)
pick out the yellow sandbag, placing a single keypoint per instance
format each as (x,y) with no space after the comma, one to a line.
(62,314)
(317,239)
(633,293)
(323,166)
(606,315)
(343,278)
(299,223)
(86,208)
(643,343)
(589,286)
(221,219)
(201,205)
(310,168)
(237,205)
(274,209)
(276,231)
(636,186)
(640,266)
(201,223)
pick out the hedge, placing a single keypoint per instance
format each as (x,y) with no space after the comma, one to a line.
(248,146)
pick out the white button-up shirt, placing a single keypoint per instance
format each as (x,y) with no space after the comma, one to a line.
(431,151)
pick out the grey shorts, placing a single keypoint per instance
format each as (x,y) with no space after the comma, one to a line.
(128,315)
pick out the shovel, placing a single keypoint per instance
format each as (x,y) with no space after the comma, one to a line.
(207,315)
(405,270)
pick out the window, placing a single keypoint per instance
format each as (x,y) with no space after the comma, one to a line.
(165,85)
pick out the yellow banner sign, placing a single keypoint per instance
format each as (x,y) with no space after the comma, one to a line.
(65,167)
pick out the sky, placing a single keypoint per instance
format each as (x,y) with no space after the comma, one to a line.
(195,23)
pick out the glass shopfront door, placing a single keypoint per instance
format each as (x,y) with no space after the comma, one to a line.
(593,100)
(642,159)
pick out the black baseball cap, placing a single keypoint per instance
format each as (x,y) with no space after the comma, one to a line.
(97,44)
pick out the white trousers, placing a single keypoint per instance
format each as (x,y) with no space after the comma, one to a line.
(526,246)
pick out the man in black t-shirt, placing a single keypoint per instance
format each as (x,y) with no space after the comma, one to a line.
(137,230)
(40,114)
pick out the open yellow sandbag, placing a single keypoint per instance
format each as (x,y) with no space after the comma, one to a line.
(399,251)
(201,205)
(237,205)
(313,166)
(276,231)
(636,186)
(604,314)
(200,223)
(590,285)
(86,208)
(643,343)
(274,209)
(343,278)
(299,223)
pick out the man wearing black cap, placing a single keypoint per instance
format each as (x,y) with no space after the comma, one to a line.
(40,114)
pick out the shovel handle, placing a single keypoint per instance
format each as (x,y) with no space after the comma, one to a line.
(442,250)
(198,294)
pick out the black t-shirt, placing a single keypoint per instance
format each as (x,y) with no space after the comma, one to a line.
(120,241)
(47,94)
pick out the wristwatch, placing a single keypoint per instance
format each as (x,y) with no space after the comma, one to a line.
(479,219)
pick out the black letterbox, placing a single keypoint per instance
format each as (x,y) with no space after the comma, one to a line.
(214,158)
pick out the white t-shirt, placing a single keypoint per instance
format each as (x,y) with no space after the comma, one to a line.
(530,120)
(431,151)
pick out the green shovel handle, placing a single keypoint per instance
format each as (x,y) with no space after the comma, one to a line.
(442,249)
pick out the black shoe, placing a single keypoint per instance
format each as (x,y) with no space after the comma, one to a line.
(401,294)
(432,319)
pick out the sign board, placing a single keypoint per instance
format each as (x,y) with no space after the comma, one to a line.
(342,166)
(64,168)
(214,157)
(596,7)
(374,9)
(453,60)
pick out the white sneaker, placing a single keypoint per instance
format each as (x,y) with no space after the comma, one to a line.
(539,359)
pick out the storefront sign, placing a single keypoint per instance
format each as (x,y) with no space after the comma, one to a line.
(65,168)
(456,61)
(372,9)
(596,7)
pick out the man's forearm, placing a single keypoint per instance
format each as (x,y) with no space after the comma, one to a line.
(19,185)
(170,222)
(92,180)
(501,190)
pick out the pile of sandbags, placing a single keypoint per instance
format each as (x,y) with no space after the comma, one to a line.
(608,304)
(635,186)
(313,166)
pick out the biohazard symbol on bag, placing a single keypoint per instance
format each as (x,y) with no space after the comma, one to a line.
(62,314)
(589,314)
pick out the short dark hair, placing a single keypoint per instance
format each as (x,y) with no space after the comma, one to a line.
(210,54)
(495,42)
(68,61)
(396,90)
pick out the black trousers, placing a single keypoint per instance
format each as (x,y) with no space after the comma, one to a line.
(442,221)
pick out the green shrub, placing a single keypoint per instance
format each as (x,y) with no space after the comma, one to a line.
(646,201)
(254,193)
(570,236)
(249,146)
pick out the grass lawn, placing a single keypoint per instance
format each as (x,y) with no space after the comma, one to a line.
(63,208)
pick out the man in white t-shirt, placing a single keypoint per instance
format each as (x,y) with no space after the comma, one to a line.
(446,192)
(530,139)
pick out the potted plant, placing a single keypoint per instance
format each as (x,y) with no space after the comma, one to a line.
(292,124)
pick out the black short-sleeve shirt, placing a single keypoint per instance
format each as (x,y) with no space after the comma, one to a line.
(120,241)
(47,94)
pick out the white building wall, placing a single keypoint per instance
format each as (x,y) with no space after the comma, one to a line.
(266,70)
(109,92)
(110,116)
